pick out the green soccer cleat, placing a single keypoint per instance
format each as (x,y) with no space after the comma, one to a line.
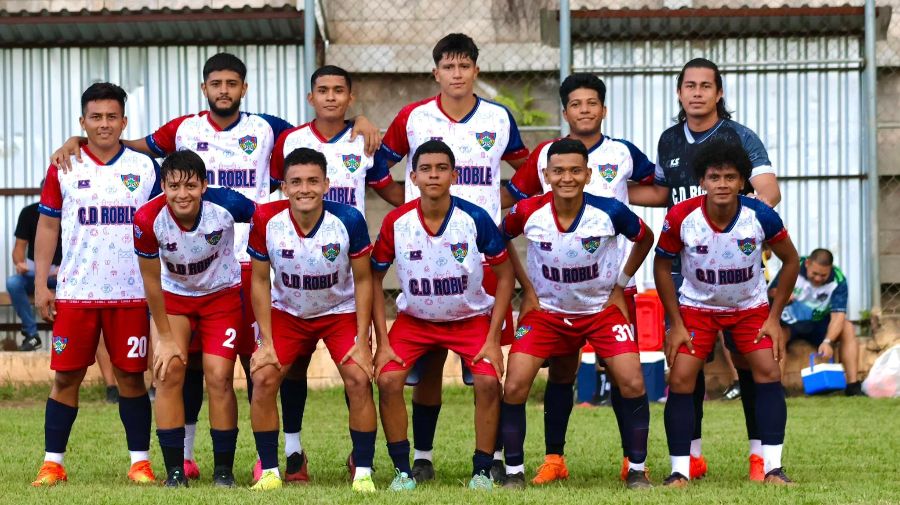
(364,485)
(481,482)
(267,482)
(402,482)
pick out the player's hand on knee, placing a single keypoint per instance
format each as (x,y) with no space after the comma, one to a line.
(492,354)
(371,134)
(166,351)
(384,355)
(772,329)
(825,350)
(61,158)
(262,357)
(529,302)
(617,298)
(361,354)
(45,301)
(676,337)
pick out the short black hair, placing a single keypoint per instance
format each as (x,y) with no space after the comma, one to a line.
(455,44)
(330,70)
(581,80)
(103,91)
(721,110)
(224,61)
(718,152)
(433,146)
(822,257)
(305,156)
(567,146)
(186,163)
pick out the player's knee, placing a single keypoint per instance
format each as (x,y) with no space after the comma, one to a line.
(766,374)
(219,382)
(515,391)
(266,381)
(131,384)
(390,383)
(66,381)
(487,388)
(631,385)
(682,383)
(357,387)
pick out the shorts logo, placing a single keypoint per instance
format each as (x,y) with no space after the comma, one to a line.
(171,246)
(59,344)
(131,181)
(137,231)
(287,253)
(459,251)
(486,140)
(521,331)
(747,245)
(331,251)
(546,246)
(214,237)
(591,244)
(84,184)
(203,146)
(415,255)
(247,144)
(352,162)
(609,172)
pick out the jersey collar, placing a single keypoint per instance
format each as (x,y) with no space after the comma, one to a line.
(297,225)
(690,136)
(96,160)
(465,118)
(227,128)
(712,225)
(574,224)
(443,224)
(196,222)
(312,127)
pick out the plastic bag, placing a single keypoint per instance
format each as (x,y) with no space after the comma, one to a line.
(884,377)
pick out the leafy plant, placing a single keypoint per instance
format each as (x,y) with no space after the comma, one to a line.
(522,107)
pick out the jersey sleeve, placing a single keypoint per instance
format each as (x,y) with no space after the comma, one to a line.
(839,295)
(488,238)
(670,243)
(395,143)
(773,227)
(383,252)
(256,244)
(759,157)
(51,195)
(162,141)
(277,124)
(146,245)
(515,148)
(157,186)
(625,221)
(378,175)
(526,182)
(276,161)
(360,245)
(513,223)
(643,171)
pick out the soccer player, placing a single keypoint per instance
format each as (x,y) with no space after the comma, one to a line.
(190,229)
(438,241)
(574,257)
(98,285)
(481,134)
(703,116)
(613,163)
(719,237)
(319,252)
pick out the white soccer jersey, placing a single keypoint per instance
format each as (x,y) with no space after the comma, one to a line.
(236,157)
(313,276)
(349,169)
(480,140)
(440,273)
(96,202)
(722,269)
(573,270)
(197,261)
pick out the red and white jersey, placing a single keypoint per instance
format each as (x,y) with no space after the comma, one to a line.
(236,157)
(573,270)
(440,273)
(197,261)
(349,169)
(722,269)
(480,140)
(96,203)
(313,275)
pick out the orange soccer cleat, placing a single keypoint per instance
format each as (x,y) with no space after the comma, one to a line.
(757,468)
(698,467)
(553,469)
(624,472)
(141,473)
(49,474)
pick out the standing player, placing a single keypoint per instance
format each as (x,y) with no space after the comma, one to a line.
(719,238)
(190,228)
(319,251)
(481,134)
(438,241)
(612,163)
(98,285)
(703,117)
(573,256)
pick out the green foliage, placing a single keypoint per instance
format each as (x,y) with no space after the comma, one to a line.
(522,107)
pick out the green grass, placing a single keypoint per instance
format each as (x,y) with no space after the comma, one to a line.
(840,450)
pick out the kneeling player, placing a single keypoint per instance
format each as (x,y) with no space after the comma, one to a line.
(573,258)
(319,252)
(438,241)
(190,229)
(718,237)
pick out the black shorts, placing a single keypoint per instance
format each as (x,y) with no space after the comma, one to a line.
(812,331)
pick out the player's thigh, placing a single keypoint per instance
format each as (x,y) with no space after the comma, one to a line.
(356,381)
(338,331)
(126,332)
(76,333)
(521,369)
(563,369)
(411,338)
(683,373)
(702,327)
(626,373)
(292,337)
(466,338)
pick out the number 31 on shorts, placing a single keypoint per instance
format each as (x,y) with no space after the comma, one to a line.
(623,332)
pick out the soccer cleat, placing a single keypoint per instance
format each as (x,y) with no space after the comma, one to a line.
(223,477)
(757,468)
(637,479)
(698,467)
(676,480)
(141,473)
(733,392)
(50,474)
(191,470)
(777,477)
(363,485)
(553,469)
(481,482)
(422,470)
(402,482)
(296,468)
(267,482)
(623,474)
(257,470)
(498,472)
(514,481)
(176,478)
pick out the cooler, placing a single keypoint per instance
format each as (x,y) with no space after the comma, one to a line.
(653,364)
(651,324)
(823,377)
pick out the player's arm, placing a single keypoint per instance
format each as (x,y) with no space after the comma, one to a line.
(790,267)
(392,193)
(383,351)
(529,295)
(361,353)
(665,287)
(648,195)
(506,281)
(45,242)
(18,256)
(261,300)
(642,245)
(766,188)
(518,162)
(506,198)
(166,348)
(371,134)
(72,147)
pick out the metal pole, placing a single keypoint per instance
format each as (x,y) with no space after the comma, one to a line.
(871,138)
(565,52)
(309,52)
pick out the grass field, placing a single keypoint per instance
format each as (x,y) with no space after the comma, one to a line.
(840,450)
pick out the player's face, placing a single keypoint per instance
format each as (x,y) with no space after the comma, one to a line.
(305,186)
(722,184)
(567,174)
(184,194)
(584,112)
(816,274)
(698,93)
(433,175)
(224,90)
(103,121)
(456,75)
(330,97)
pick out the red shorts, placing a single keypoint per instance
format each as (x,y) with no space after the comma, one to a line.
(743,325)
(215,319)
(632,315)
(245,342)
(489,283)
(76,334)
(411,337)
(294,337)
(547,334)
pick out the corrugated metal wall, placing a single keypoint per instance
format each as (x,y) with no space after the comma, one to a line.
(801,95)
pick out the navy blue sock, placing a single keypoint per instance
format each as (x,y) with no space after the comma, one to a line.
(513,428)
(679,421)
(615,400)
(498,445)
(558,402)
(424,423)
(481,463)
(364,447)
(699,395)
(135,414)
(58,421)
(748,400)
(399,453)
(267,448)
(171,442)
(192,394)
(293,402)
(224,444)
(771,412)
(635,427)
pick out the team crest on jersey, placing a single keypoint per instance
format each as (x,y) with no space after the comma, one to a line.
(131,181)
(138,231)
(287,254)
(59,344)
(747,245)
(331,251)
(172,246)
(202,146)
(521,331)
(486,140)
(609,172)
(415,255)
(247,143)
(665,226)
(591,244)
(546,246)
(214,237)
(459,251)
(84,184)
(352,162)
